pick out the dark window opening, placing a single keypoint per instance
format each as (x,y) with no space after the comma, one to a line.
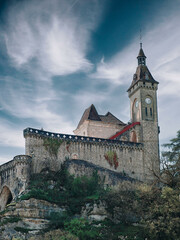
(9,200)
(151,111)
(146,111)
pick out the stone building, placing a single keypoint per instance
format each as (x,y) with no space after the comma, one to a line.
(100,140)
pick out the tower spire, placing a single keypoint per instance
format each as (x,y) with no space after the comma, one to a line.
(141,56)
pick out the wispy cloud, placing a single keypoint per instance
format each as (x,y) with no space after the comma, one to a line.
(44,40)
(55,35)
(10,135)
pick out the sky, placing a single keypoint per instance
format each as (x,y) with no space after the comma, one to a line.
(57,57)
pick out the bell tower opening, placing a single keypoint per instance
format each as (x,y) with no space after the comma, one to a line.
(5,197)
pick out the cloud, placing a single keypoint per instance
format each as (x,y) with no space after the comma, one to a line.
(25,101)
(55,35)
(4,159)
(116,69)
(44,40)
(10,135)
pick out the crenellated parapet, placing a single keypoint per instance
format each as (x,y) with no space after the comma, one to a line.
(32,132)
(17,160)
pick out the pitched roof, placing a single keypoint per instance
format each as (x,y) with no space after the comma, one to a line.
(141,53)
(110,118)
(92,114)
(142,74)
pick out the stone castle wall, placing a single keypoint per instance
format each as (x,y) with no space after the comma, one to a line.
(14,177)
(129,156)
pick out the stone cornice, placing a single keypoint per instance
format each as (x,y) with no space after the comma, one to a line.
(74,138)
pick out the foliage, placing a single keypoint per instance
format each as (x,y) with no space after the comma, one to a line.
(170,163)
(173,154)
(57,220)
(55,235)
(82,228)
(65,190)
(112,159)
(163,215)
(22,230)
(10,219)
(52,145)
(157,209)
(104,230)
(160,212)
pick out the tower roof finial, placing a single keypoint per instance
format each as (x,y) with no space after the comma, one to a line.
(140,38)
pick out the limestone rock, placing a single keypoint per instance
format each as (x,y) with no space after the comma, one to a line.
(95,211)
(33,216)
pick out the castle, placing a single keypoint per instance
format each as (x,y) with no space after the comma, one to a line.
(99,140)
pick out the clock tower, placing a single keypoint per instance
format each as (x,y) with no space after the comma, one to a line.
(143,99)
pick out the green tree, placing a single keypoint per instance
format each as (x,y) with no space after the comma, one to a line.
(172,155)
(162,212)
(171,162)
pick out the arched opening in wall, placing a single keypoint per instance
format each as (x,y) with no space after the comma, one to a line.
(133,136)
(5,197)
(74,156)
(135,110)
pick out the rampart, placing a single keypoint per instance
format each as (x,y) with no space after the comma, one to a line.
(14,177)
(107,177)
(115,155)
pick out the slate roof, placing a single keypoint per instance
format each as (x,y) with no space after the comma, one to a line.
(110,118)
(92,114)
(141,53)
(142,73)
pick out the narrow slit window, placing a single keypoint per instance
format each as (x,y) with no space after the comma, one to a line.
(151,112)
(146,111)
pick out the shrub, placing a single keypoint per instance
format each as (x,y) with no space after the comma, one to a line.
(162,217)
(82,228)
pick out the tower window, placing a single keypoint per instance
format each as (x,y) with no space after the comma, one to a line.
(151,111)
(146,111)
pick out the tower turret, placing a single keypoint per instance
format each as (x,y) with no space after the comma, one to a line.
(143,99)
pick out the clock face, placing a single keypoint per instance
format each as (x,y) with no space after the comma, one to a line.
(148,100)
(136,103)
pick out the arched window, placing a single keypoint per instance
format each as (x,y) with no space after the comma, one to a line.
(74,156)
(133,136)
(135,110)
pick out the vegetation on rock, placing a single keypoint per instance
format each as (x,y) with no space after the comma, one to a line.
(65,190)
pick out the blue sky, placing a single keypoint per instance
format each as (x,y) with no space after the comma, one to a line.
(58,57)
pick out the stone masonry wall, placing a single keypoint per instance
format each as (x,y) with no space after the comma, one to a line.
(98,129)
(128,155)
(14,177)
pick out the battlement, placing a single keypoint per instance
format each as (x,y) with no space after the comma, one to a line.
(19,159)
(74,138)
